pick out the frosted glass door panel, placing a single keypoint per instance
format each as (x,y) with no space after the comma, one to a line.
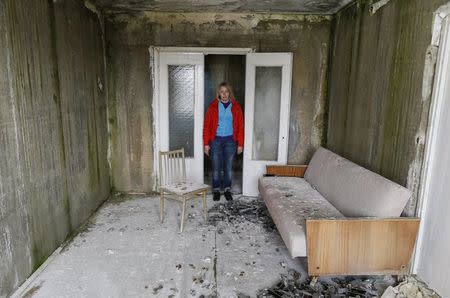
(181,107)
(266,125)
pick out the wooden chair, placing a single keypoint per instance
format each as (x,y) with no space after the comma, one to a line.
(173,184)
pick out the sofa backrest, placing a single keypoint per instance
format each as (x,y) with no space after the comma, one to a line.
(354,190)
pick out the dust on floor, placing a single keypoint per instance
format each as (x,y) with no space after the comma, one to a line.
(125,251)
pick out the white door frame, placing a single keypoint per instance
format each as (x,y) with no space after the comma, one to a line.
(439,40)
(154,65)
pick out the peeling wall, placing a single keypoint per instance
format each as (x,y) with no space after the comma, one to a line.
(53,139)
(129,37)
(377,113)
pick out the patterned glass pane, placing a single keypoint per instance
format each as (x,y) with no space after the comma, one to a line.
(181,108)
(266,123)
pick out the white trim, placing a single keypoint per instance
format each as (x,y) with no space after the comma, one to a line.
(207,51)
(441,32)
(439,17)
(154,78)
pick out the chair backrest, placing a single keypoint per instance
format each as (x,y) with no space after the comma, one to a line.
(172,167)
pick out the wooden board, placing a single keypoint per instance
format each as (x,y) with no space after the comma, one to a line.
(286,171)
(360,246)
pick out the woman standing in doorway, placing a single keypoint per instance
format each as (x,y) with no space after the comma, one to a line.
(223,136)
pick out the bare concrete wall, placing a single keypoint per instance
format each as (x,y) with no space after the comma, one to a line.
(129,37)
(53,138)
(377,116)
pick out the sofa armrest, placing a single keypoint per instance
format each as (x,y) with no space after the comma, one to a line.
(360,245)
(286,171)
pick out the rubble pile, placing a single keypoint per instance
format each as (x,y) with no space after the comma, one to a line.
(291,285)
(240,211)
(410,288)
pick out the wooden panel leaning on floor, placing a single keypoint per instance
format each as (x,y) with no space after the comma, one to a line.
(353,246)
(173,184)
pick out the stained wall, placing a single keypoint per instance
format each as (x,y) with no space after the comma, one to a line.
(129,77)
(53,130)
(378,110)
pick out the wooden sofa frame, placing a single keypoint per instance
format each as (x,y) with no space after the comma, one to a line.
(356,246)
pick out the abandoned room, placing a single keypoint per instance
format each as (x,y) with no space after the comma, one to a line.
(224,148)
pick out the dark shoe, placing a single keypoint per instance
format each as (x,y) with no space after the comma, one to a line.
(228,196)
(216,196)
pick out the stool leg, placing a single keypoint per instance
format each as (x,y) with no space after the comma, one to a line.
(161,205)
(205,208)
(182,215)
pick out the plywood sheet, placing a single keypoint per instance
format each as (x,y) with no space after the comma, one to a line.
(360,246)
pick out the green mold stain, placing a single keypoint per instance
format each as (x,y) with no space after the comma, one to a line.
(39,256)
(92,162)
(112,120)
(66,203)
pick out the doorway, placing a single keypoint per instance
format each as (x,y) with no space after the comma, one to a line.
(229,68)
(185,80)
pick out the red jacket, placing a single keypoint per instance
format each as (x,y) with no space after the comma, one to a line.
(212,122)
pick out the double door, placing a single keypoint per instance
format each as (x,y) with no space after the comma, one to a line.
(180,111)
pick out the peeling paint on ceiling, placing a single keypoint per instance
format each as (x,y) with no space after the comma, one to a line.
(296,6)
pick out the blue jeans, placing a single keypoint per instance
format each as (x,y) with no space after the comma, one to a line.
(222,154)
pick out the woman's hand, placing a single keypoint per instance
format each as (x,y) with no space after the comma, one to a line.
(207,150)
(240,149)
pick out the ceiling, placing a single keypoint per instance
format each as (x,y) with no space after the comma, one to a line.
(296,6)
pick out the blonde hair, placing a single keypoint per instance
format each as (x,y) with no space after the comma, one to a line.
(228,86)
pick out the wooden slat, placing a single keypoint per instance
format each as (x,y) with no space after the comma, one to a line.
(286,171)
(360,246)
(171,167)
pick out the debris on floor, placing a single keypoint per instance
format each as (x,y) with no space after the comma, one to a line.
(292,285)
(241,210)
(410,288)
(126,251)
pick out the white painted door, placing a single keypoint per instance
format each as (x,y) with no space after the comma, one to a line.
(181,108)
(433,259)
(267,101)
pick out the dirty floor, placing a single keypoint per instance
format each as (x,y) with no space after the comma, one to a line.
(124,251)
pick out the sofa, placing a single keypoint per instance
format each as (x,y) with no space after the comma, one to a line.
(344,218)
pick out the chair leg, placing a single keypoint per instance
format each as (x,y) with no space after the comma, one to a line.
(161,205)
(205,208)
(182,215)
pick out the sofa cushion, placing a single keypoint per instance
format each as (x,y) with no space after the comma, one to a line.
(354,190)
(290,202)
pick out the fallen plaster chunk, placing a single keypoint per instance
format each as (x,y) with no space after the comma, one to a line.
(410,288)
(390,292)
(157,288)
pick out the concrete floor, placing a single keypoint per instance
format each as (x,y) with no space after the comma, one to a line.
(124,251)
